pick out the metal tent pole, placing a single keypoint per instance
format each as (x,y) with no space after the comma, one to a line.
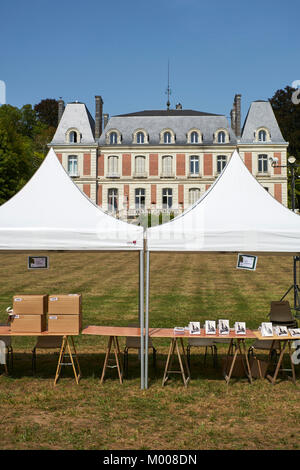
(142,317)
(147,317)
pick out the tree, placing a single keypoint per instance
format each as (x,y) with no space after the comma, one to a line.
(47,112)
(288,117)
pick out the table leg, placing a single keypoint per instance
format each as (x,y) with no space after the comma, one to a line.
(293,378)
(65,344)
(170,354)
(273,379)
(248,369)
(113,340)
(228,377)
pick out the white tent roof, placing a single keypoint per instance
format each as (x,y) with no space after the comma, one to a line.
(51,213)
(236,214)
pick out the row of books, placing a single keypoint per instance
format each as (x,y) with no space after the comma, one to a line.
(268,329)
(211,328)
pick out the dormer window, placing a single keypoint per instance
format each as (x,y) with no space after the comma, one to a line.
(167,137)
(262,135)
(113,138)
(73,136)
(221,137)
(194,137)
(140,137)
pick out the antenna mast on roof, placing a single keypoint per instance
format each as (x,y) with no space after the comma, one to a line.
(168,90)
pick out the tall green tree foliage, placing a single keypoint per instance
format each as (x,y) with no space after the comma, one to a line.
(24,135)
(288,117)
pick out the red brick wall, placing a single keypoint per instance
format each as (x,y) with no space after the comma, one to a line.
(100,165)
(126,194)
(277,171)
(180,194)
(278,192)
(153,193)
(180,164)
(126,164)
(153,164)
(59,156)
(87,189)
(248,161)
(208,164)
(99,195)
(86,164)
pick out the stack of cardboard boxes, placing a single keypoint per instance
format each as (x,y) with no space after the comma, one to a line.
(29,313)
(64,313)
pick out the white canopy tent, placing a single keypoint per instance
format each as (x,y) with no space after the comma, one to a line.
(236,214)
(51,213)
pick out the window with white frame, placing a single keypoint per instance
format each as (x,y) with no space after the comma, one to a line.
(73,137)
(167,165)
(194,195)
(194,165)
(113,138)
(140,198)
(140,165)
(262,135)
(194,137)
(167,137)
(221,137)
(167,198)
(112,199)
(73,165)
(221,163)
(113,165)
(140,138)
(262,163)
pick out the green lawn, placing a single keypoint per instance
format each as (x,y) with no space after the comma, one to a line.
(184,287)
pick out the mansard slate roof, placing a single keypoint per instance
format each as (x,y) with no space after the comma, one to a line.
(261,114)
(179,121)
(76,115)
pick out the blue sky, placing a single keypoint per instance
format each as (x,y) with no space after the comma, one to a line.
(120,50)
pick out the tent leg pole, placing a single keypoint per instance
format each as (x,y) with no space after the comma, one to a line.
(141,307)
(147,317)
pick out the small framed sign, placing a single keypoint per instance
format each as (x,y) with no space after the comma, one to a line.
(38,262)
(246,262)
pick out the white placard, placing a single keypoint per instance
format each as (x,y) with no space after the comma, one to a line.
(246,262)
(210,327)
(194,328)
(281,330)
(38,262)
(266,329)
(223,327)
(240,328)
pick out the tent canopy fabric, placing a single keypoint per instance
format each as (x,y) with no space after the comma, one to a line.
(236,214)
(51,213)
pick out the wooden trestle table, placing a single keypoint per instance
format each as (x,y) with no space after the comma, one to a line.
(285,341)
(65,345)
(176,348)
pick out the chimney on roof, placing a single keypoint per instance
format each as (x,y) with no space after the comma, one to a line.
(61,108)
(105,120)
(235,115)
(237,100)
(98,116)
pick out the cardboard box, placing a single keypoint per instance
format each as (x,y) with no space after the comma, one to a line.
(30,304)
(28,323)
(64,324)
(65,304)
